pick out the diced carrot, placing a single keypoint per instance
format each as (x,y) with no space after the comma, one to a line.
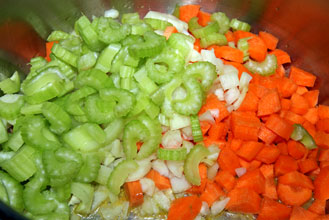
(229,53)
(299,104)
(323,111)
(310,128)
(266,134)
(324,164)
(312,115)
(242,34)
(161,182)
(322,139)
(258,90)
(292,117)
(301,90)
(283,147)
(279,126)
(186,12)
(269,104)
(286,87)
(225,179)
(270,186)
(197,45)
(139,145)
(249,150)
(285,104)
(280,72)
(49,45)
(268,82)
(323,125)
(285,164)
(250,102)
(321,184)
(299,213)
(229,36)
(185,208)
(212,102)
(134,193)
(254,164)
(204,18)
(296,149)
(301,77)
(168,31)
(245,126)
(307,165)
(323,217)
(293,195)
(324,155)
(273,210)
(318,206)
(244,200)
(240,67)
(228,160)
(208,142)
(252,180)
(313,154)
(203,175)
(217,131)
(312,97)
(211,193)
(281,56)
(296,178)
(269,154)
(257,49)
(270,40)
(205,126)
(235,144)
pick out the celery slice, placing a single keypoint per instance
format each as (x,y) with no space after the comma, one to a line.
(265,68)
(14,191)
(172,154)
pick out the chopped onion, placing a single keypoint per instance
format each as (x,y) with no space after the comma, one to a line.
(169,193)
(100,195)
(204,209)
(148,186)
(179,121)
(112,13)
(179,185)
(164,128)
(172,139)
(144,166)
(232,95)
(188,145)
(214,112)
(161,167)
(214,152)
(212,171)
(194,56)
(180,25)
(244,80)
(187,133)
(230,108)
(218,206)
(162,200)
(149,206)
(240,171)
(74,200)
(230,70)
(176,167)
(207,116)
(220,94)
(238,102)
(209,55)
(229,81)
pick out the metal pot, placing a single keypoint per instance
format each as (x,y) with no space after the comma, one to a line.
(301,26)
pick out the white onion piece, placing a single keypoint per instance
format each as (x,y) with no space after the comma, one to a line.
(188,145)
(74,200)
(172,139)
(179,121)
(180,25)
(161,167)
(144,166)
(229,81)
(212,171)
(198,217)
(162,200)
(240,171)
(112,13)
(218,206)
(176,167)
(229,69)
(214,112)
(148,186)
(244,80)
(232,95)
(207,116)
(204,209)
(238,102)
(100,195)
(194,56)
(179,185)
(214,152)
(230,108)
(164,128)
(220,94)
(209,55)
(187,133)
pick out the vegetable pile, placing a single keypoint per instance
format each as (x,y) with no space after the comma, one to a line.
(187,114)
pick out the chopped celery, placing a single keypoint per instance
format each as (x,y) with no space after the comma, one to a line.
(302,135)
(244,47)
(105,58)
(65,55)
(85,193)
(15,141)
(3,133)
(89,169)
(222,20)
(58,35)
(213,39)
(99,110)
(201,32)
(144,81)
(113,130)
(94,78)
(59,120)
(74,101)
(87,61)
(157,24)
(191,166)
(31,109)
(172,154)
(11,85)
(10,106)
(196,129)
(235,24)
(203,71)
(265,68)
(14,191)
(182,43)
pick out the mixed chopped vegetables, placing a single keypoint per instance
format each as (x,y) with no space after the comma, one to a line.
(183,116)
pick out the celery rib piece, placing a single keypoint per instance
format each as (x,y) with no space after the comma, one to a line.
(265,68)
(14,191)
(172,154)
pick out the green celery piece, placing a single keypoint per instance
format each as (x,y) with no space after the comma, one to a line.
(176,154)
(144,82)
(84,192)
(3,133)
(244,47)
(130,18)
(11,85)
(61,165)
(87,61)
(235,24)
(94,78)
(181,43)
(35,133)
(21,166)
(265,68)
(28,109)
(114,34)
(57,36)
(157,24)
(213,39)
(3,194)
(222,20)
(124,99)
(98,110)
(193,24)
(193,101)
(105,58)
(119,175)
(15,141)
(72,44)
(63,193)
(113,130)
(163,67)
(59,120)
(89,170)
(191,165)
(301,134)
(14,191)
(196,129)
(75,100)
(203,71)
(10,106)
(134,131)
(65,55)
(201,32)
(86,138)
